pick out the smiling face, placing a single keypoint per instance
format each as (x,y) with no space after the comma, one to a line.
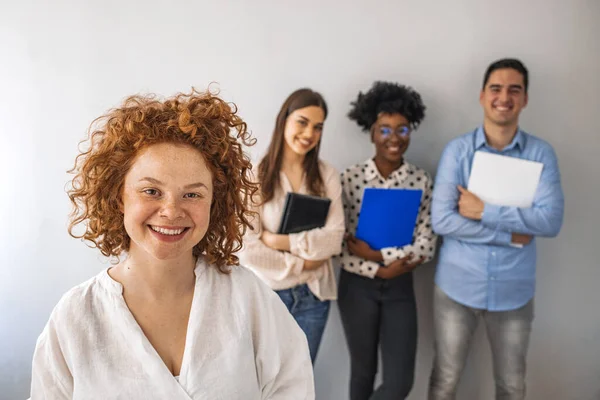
(503,97)
(391,136)
(166,199)
(303,129)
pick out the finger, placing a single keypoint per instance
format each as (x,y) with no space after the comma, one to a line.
(418,262)
(361,242)
(406,257)
(462,190)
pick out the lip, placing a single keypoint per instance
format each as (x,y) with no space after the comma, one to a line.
(168,238)
(507,108)
(304,142)
(395,149)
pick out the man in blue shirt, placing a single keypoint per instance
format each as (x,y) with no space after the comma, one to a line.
(488,258)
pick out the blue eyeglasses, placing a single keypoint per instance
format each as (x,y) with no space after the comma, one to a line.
(401,131)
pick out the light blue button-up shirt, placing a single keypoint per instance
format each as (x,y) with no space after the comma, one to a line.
(477,266)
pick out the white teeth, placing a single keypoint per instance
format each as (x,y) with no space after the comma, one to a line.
(304,142)
(171,232)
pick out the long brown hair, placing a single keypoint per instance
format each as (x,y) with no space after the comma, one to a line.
(270,166)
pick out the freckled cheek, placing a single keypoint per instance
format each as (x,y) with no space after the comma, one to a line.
(138,212)
(201,215)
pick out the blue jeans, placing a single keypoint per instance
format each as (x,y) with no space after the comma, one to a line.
(508,334)
(309,312)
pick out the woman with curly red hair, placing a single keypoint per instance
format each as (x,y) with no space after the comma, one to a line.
(164,185)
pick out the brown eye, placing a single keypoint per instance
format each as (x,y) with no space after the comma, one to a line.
(151,192)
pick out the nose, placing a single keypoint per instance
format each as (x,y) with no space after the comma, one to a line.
(309,132)
(394,139)
(171,209)
(503,96)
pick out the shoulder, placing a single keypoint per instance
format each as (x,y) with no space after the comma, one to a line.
(248,299)
(253,173)
(462,143)
(80,300)
(79,310)
(239,283)
(328,170)
(356,169)
(418,171)
(538,144)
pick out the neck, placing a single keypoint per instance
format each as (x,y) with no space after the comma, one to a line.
(386,167)
(291,159)
(143,275)
(498,136)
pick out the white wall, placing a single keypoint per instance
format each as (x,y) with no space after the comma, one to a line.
(63,63)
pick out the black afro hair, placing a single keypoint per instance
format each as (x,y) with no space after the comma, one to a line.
(388,98)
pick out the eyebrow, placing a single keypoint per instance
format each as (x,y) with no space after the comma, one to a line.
(389,126)
(302,117)
(514,86)
(157,182)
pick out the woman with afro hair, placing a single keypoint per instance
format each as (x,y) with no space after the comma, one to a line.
(376,297)
(163,188)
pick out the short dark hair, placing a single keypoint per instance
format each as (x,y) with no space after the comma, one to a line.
(511,63)
(390,98)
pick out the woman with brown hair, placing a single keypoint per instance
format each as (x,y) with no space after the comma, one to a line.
(165,183)
(298,265)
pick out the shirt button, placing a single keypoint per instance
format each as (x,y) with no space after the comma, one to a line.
(493,278)
(493,253)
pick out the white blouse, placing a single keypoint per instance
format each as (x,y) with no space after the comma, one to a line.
(282,269)
(242,343)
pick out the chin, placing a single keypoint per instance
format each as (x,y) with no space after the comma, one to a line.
(395,159)
(166,254)
(302,151)
(504,122)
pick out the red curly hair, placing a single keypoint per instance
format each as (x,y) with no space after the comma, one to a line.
(199,119)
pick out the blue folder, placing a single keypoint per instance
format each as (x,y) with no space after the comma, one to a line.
(388,217)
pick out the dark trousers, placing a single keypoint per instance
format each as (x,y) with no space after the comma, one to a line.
(379,313)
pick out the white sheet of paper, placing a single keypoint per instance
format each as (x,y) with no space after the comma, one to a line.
(504,181)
